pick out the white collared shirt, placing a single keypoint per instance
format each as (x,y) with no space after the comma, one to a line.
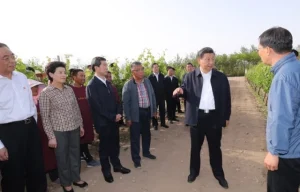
(103,80)
(207,101)
(16,101)
(156,75)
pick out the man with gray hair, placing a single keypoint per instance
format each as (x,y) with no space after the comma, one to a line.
(139,106)
(21,157)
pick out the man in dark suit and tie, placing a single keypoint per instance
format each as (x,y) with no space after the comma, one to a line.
(157,81)
(171,83)
(208,102)
(106,112)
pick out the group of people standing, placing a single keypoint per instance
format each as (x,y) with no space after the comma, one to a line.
(65,117)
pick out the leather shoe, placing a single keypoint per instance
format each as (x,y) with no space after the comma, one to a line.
(191,178)
(150,156)
(223,183)
(82,185)
(108,178)
(122,170)
(165,126)
(137,165)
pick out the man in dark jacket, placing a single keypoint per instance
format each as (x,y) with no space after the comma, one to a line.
(208,103)
(157,82)
(106,112)
(171,83)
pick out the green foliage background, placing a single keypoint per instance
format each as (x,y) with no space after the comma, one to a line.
(235,64)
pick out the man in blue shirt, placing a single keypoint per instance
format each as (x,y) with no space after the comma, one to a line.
(283,123)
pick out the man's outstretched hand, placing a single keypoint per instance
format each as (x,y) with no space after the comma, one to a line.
(178,91)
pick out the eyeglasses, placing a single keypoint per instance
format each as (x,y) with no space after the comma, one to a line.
(8,57)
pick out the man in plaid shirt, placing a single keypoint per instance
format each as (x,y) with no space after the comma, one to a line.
(139,106)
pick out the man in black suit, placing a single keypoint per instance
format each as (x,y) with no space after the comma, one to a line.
(157,82)
(106,112)
(189,68)
(208,102)
(171,83)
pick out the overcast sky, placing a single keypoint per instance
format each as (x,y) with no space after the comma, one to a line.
(123,28)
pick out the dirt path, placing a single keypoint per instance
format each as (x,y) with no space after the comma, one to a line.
(243,152)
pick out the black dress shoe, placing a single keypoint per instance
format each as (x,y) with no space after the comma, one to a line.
(82,185)
(191,178)
(156,127)
(108,178)
(150,156)
(165,126)
(122,170)
(223,183)
(137,165)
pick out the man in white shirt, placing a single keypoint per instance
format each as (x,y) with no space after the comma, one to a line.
(20,147)
(208,109)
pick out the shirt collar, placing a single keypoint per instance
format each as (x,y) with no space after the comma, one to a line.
(135,82)
(52,87)
(198,72)
(288,58)
(13,73)
(103,80)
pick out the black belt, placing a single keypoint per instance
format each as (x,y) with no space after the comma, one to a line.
(25,121)
(207,111)
(145,109)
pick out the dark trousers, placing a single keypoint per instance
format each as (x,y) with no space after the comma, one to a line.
(67,155)
(178,105)
(162,113)
(206,128)
(53,175)
(25,165)
(171,108)
(109,147)
(85,152)
(140,128)
(286,178)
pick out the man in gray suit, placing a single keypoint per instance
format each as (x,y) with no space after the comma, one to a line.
(139,107)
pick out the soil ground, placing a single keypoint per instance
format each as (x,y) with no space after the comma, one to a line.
(243,146)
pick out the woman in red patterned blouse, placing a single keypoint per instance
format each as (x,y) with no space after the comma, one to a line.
(78,78)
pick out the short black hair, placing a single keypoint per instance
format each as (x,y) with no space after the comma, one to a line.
(190,64)
(3,45)
(153,65)
(74,72)
(277,38)
(30,69)
(97,62)
(205,50)
(295,52)
(169,67)
(108,72)
(52,66)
